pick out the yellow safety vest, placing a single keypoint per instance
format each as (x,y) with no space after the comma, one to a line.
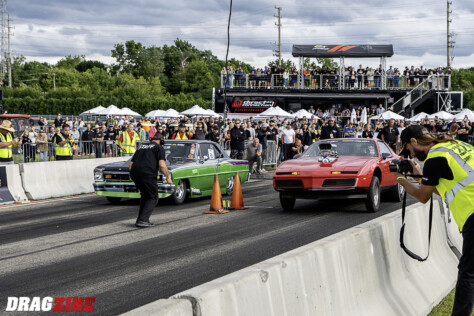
(6,152)
(185,136)
(63,150)
(129,144)
(459,192)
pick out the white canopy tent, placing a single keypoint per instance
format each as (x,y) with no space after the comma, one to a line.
(443,115)
(111,110)
(461,115)
(196,110)
(212,113)
(130,112)
(171,113)
(388,115)
(155,113)
(94,110)
(274,111)
(420,116)
(303,113)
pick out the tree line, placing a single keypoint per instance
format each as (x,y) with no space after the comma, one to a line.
(141,78)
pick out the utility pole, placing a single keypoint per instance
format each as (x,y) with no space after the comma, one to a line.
(9,61)
(3,40)
(278,53)
(449,36)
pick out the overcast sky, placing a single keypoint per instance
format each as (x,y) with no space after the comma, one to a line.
(47,30)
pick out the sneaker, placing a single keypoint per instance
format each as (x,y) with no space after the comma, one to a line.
(143,224)
(263,171)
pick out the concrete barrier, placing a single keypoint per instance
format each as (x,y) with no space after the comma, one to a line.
(452,229)
(14,183)
(361,271)
(170,307)
(44,180)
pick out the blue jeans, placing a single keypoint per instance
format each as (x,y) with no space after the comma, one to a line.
(44,156)
(377,82)
(126,155)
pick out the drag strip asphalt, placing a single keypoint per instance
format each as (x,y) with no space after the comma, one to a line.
(86,247)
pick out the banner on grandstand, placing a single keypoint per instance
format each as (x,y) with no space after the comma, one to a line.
(249,105)
(332,51)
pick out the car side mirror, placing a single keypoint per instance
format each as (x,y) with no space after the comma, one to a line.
(386,155)
(296,156)
(203,159)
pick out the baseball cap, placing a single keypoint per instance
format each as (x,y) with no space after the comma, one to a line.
(111,125)
(157,136)
(412,131)
(181,125)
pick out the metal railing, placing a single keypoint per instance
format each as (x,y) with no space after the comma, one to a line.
(331,81)
(270,155)
(38,152)
(416,93)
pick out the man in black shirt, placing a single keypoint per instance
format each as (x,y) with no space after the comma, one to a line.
(58,122)
(237,141)
(329,131)
(143,168)
(110,137)
(87,136)
(463,132)
(98,140)
(390,135)
(214,136)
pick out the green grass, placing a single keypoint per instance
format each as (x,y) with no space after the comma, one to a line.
(445,307)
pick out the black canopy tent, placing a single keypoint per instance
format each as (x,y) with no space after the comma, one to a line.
(342,51)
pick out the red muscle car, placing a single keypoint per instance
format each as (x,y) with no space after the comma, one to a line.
(339,168)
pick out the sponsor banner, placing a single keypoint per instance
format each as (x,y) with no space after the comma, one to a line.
(252,105)
(331,51)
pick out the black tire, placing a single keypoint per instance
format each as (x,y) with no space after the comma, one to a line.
(287,203)
(372,201)
(396,193)
(229,187)
(179,195)
(113,199)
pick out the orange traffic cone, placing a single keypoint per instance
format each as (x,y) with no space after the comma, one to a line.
(216,199)
(237,199)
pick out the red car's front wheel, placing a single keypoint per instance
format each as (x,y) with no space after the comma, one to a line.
(287,203)
(373,197)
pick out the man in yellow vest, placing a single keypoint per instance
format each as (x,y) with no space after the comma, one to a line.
(128,141)
(181,134)
(64,143)
(448,171)
(6,142)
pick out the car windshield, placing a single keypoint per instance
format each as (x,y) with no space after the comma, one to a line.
(363,148)
(180,151)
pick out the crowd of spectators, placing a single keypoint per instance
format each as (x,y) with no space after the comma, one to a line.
(246,139)
(328,78)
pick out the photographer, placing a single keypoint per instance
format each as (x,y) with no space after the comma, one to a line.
(449,172)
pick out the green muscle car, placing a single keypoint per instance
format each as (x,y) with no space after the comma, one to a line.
(192,165)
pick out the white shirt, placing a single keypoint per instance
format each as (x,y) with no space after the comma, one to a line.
(288,135)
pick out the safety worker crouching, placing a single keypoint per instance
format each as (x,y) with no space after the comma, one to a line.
(449,172)
(128,141)
(7,141)
(144,172)
(64,143)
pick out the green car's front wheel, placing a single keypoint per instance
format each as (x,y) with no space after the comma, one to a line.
(179,194)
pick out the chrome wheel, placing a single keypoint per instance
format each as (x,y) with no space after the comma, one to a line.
(376,197)
(180,190)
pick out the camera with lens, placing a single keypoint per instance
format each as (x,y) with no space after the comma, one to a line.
(401,166)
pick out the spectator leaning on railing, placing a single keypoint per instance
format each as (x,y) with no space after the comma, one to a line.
(42,142)
(254,155)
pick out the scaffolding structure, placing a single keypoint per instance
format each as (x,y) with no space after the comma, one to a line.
(3,42)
